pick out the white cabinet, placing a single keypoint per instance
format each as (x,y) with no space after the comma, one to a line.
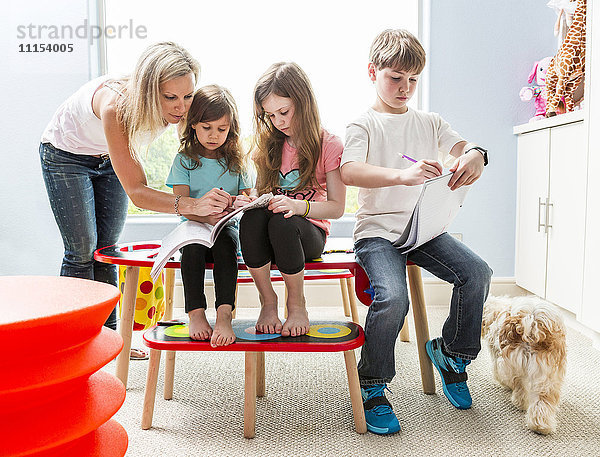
(533,164)
(551,209)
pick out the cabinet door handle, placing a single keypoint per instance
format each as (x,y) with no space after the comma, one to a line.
(540,204)
(548,205)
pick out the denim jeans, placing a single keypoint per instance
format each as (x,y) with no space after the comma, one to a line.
(446,258)
(90,207)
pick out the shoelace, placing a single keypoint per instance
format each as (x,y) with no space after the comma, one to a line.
(377,391)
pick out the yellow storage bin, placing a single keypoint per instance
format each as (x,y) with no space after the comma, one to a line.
(149,301)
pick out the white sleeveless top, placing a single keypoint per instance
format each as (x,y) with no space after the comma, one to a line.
(76,129)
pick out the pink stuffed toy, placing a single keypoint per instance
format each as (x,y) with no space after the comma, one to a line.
(538,73)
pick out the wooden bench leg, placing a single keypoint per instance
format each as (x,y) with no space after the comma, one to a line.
(352,299)
(405,332)
(250,394)
(170,355)
(260,374)
(355,397)
(344,290)
(150,392)
(421,327)
(169,374)
(132,275)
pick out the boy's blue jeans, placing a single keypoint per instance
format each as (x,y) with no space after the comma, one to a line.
(90,207)
(446,258)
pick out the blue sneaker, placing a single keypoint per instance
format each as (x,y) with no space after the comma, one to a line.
(378,412)
(452,372)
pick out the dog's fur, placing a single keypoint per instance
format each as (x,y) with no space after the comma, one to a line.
(526,338)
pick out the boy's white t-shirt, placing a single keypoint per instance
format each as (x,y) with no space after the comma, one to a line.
(380,139)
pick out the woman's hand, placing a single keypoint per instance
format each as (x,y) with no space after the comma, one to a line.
(286,205)
(420,171)
(212,220)
(467,169)
(213,203)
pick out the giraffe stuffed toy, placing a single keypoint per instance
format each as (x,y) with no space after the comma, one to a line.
(567,68)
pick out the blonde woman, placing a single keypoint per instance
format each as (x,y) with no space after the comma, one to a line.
(89,156)
(298,161)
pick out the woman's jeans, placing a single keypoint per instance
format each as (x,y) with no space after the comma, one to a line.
(446,258)
(90,207)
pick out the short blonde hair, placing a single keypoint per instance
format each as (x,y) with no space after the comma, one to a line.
(397,49)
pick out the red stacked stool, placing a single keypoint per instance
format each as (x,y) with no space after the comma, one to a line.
(53,399)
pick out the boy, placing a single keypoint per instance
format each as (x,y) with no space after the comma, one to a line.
(389,187)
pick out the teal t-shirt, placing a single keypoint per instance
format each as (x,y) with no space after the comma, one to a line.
(204,178)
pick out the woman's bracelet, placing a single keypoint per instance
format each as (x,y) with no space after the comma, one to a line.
(307,208)
(176,205)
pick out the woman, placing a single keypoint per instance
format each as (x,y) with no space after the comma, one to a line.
(90,163)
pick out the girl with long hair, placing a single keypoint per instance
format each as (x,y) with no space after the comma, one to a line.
(298,161)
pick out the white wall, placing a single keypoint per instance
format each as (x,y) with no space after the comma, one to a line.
(32,86)
(480,57)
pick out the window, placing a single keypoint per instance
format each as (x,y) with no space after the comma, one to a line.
(236,41)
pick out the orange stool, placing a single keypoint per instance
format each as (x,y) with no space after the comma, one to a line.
(54,400)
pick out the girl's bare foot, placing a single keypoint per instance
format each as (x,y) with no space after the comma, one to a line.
(200,329)
(297,322)
(268,319)
(223,333)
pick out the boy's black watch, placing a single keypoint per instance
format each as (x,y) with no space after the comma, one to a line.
(483,153)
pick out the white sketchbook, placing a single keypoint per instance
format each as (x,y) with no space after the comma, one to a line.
(435,210)
(189,232)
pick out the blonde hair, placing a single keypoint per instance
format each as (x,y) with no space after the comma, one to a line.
(286,79)
(211,103)
(139,110)
(397,49)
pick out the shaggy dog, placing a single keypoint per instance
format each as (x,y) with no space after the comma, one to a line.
(526,337)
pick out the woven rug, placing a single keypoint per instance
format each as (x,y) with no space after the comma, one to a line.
(307,411)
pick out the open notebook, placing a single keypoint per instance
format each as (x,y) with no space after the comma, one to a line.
(189,232)
(435,210)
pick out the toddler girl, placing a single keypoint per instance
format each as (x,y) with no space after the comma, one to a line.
(209,158)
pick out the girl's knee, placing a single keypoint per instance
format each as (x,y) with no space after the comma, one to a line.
(279,224)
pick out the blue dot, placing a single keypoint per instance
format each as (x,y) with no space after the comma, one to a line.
(329,330)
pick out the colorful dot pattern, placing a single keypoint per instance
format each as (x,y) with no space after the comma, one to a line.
(150,299)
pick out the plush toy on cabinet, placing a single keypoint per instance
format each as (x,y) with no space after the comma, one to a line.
(567,69)
(538,91)
(564,10)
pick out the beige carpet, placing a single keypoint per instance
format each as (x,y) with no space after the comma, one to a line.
(306,409)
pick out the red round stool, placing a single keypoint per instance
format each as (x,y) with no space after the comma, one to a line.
(54,400)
